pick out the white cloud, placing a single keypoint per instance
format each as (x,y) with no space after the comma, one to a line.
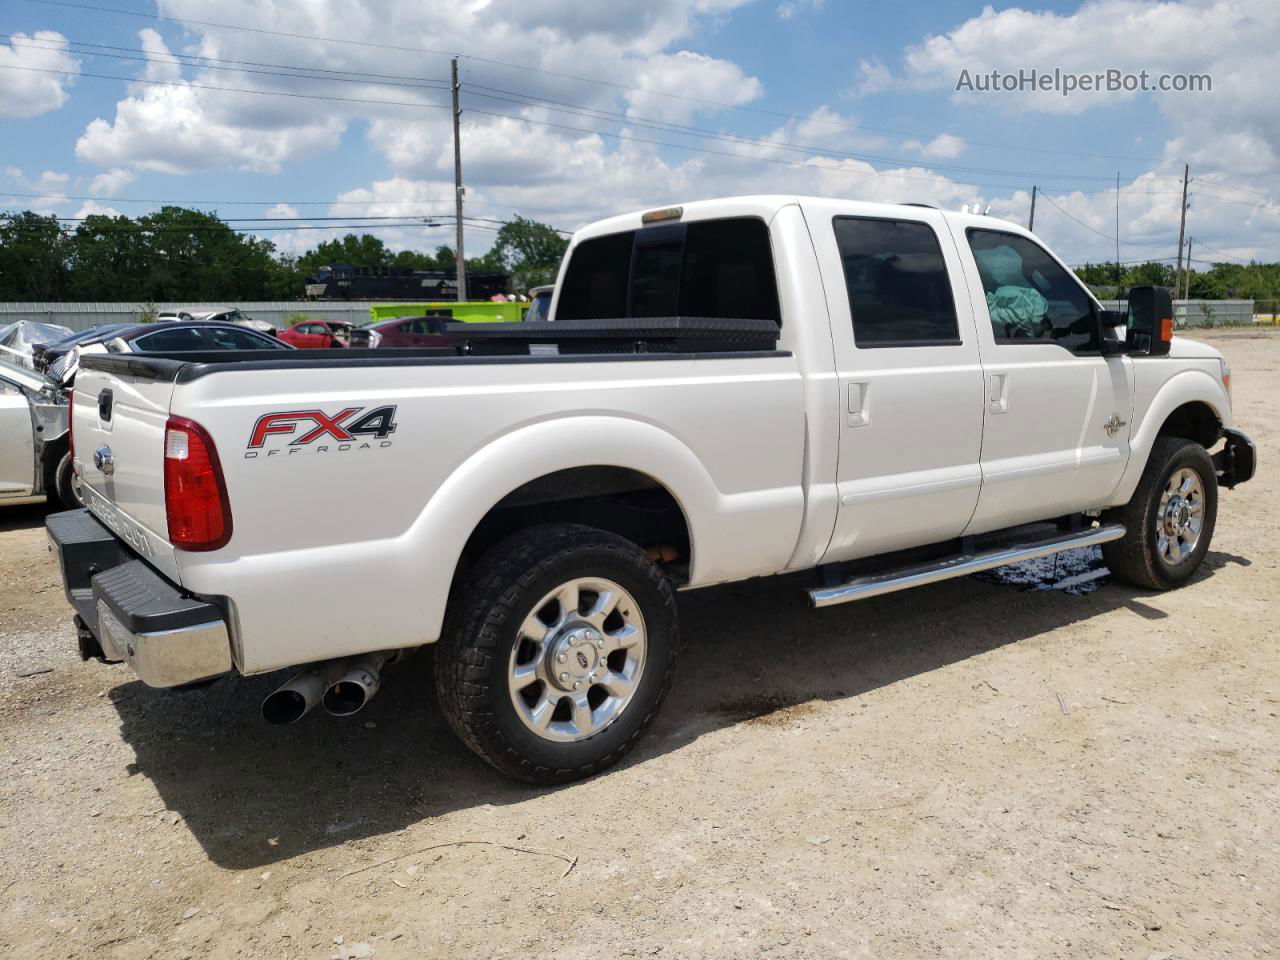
(690,75)
(944,146)
(872,77)
(92,208)
(181,129)
(790,8)
(1230,136)
(110,183)
(26,91)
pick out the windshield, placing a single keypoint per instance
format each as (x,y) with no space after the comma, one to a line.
(105,330)
(539,309)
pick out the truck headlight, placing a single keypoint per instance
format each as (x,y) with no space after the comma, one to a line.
(1226,375)
(375,338)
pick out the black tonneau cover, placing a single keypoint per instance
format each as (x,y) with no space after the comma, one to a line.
(570,341)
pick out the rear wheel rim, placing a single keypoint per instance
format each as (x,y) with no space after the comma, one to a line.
(578,659)
(1180,517)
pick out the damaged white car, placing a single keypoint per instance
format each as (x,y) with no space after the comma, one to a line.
(35,452)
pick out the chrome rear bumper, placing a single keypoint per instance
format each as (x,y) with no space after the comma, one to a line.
(126,611)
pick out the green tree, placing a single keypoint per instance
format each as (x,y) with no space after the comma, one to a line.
(530,250)
(33,257)
(365,250)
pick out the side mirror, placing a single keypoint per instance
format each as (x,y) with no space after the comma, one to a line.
(1150,321)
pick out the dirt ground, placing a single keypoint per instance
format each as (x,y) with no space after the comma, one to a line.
(988,767)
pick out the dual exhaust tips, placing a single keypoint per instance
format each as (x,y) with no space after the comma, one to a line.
(342,686)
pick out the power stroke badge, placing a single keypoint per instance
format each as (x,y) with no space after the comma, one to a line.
(315,431)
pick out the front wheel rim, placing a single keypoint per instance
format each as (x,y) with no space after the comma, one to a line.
(577,660)
(1180,516)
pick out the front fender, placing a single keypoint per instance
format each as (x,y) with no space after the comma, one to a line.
(1187,386)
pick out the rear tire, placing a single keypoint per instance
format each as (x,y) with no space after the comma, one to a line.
(534,676)
(1170,518)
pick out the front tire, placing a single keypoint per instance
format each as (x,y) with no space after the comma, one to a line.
(1170,518)
(67,484)
(559,648)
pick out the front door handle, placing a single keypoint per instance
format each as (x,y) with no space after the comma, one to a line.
(998,393)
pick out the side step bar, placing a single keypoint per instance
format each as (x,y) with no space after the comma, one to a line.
(960,565)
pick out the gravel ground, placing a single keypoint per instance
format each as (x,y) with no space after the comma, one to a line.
(1030,764)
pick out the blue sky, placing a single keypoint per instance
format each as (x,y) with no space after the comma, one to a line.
(796,96)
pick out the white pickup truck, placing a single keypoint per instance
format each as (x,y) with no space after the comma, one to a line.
(886,395)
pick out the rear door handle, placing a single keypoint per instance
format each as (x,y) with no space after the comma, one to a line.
(859,414)
(998,393)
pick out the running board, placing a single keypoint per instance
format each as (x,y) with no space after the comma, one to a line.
(960,565)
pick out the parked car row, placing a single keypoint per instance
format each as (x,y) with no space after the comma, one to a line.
(39,363)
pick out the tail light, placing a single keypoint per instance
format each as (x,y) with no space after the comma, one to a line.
(195,494)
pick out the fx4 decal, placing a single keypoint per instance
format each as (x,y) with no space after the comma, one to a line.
(349,427)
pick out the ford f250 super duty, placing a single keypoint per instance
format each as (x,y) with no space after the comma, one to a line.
(885,395)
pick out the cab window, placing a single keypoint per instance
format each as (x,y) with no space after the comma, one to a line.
(896,279)
(709,268)
(1030,296)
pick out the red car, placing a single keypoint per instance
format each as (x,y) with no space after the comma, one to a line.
(318,334)
(425,331)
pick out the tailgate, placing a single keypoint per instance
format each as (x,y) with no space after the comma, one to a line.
(118,423)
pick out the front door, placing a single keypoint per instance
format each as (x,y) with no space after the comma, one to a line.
(910,380)
(1055,439)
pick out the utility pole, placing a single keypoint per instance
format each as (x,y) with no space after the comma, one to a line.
(1182,228)
(457,184)
(1031,222)
(1118,273)
(1187,286)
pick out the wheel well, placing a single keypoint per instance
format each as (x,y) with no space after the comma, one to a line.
(622,501)
(1193,421)
(51,456)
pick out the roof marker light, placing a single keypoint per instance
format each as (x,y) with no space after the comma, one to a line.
(666,213)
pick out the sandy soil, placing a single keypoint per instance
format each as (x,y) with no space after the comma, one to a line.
(984,768)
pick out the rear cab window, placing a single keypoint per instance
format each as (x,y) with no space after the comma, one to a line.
(709,268)
(897,282)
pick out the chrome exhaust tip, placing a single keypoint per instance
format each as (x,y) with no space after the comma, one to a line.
(355,688)
(299,696)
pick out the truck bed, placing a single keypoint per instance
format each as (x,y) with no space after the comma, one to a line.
(437,441)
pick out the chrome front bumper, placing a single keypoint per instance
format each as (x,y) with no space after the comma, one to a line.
(126,611)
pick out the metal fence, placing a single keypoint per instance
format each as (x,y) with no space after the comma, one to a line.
(1205,313)
(279,313)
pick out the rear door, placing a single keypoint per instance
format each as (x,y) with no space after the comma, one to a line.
(909,375)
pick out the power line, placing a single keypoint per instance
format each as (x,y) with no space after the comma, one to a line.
(208,86)
(589,113)
(508,116)
(597,81)
(237,66)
